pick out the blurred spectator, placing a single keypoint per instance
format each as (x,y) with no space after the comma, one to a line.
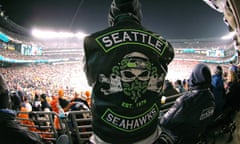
(185,84)
(232,90)
(16,101)
(36,106)
(168,89)
(63,102)
(57,109)
(88,94)
(179,86)
(26,104)
(20,92)
(79,101)
(218,90)
(233,67)
(45,106)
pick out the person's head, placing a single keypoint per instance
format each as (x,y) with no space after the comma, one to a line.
(167,84)
(4,96)
(124,8)
(76,94)
(178,83)
(218,70)
(43,97)
(61,93)
(200,77)
(232,76)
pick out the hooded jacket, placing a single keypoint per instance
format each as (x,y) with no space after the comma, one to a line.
(126,65)
(193,111)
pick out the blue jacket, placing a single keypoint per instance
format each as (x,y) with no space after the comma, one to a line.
(218,92)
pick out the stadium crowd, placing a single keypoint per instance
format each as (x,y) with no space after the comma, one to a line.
(59,87)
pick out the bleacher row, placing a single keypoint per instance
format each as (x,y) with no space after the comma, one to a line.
(75,124)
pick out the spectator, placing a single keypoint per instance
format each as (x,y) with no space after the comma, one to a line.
(63,102)
(126,65)
(168,89)
(188,118)
(218,90)
(26,104)
(179,86)
(185,84)
(20,92)
(233,67)
(15,101)
(58,109)
(10,131)
(36,106)
(79,101)
(45,106)
(88,95)
(232,90)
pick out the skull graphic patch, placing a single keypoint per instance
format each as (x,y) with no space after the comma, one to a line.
(133,76)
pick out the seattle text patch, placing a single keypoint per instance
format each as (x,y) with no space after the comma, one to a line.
(114,39)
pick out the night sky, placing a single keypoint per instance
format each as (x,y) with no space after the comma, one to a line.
(173,19)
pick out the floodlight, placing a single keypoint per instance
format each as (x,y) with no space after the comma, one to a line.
(230,35)
(81,35)
(48,34)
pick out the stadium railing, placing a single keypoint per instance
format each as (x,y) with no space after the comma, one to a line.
(75,124)
(78,125)
(43,123)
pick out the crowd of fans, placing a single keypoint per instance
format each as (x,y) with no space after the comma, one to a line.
(58,87)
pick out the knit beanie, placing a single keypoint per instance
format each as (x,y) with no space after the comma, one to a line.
(123,8)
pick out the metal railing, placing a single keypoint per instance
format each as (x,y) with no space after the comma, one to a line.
(75,124)
(49,125)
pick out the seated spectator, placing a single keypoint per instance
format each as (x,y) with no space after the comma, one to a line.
(58,109)
(232,90)
(185,84)
(63,102)
(233,67)
(218,90)
(15,101)
(168,89)
(179,86)
(45,106)
(192,112)
(88,94)
(26,104)
(78,100)
(31,125)
(36,106)
(10,131)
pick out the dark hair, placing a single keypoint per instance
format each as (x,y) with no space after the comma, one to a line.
(218,70)
(179,82)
